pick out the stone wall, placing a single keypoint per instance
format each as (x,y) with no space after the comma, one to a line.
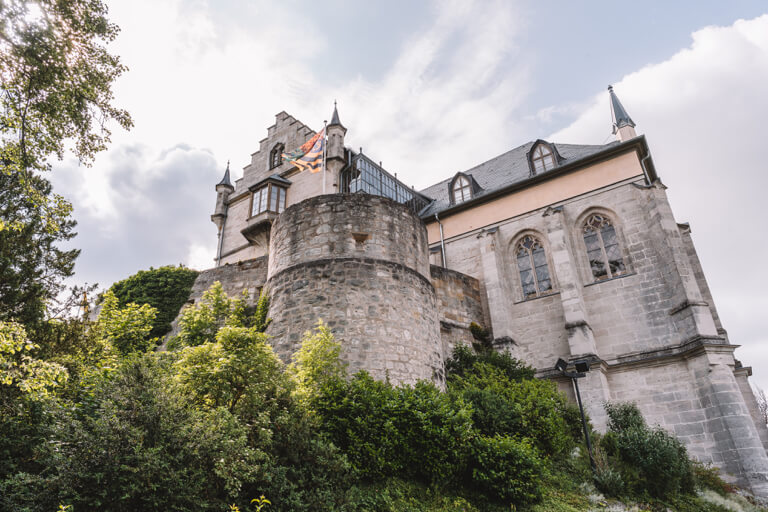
(348,225)
(247,275)
(459,303)
(359,263)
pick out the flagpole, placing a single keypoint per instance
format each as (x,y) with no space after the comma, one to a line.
(325,147)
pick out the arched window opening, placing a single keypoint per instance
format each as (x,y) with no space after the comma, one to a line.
(533,268)
(543,159)
(276,156)
(603,249)
(462,190)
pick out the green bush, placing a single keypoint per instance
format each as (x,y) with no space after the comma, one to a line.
(506,400)
(464,360)
(415,432)
(166,289)
(652,462)
(506,469)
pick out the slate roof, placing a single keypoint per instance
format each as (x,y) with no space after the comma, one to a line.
(504,170)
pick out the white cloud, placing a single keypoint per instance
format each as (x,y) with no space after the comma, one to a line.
(704,112)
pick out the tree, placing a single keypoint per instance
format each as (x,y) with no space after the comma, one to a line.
(32,267)
(166,289)
(128,328)
(56,81)
(55,94)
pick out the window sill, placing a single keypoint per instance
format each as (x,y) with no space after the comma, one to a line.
(531,299)
(622,276)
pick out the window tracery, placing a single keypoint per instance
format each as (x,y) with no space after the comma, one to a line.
(532,265)
(603,251)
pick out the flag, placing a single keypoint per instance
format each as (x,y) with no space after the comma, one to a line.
(310,155)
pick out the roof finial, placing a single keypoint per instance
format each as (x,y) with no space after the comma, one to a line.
(622,123)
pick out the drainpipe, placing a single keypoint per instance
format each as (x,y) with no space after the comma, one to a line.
(645,172)
(442,240)
(219,244)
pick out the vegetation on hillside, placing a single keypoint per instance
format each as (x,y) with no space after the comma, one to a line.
(166,289)
(102,422)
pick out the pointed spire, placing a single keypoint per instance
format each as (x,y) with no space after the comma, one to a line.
(335,117)
(225,180)
(622,123)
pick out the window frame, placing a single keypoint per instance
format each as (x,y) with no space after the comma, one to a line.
(588,228)
(276,156)
(538,155)
(267,195)
(462,185)
(517,246)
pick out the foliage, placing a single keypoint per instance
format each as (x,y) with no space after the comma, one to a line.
(32,267)
(128,328)
(200,322)
(139,446)
(166,289)
(410,432)
(505,402)
(239,371)
(651,461)
(56,80)
(261,318)
(20,372)
(316,364)
(506,469)
(482,337)
(464,360)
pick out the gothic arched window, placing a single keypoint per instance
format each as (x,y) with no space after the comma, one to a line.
(542,158)
(462,190)
(276,156)
(603,249)
(533,268)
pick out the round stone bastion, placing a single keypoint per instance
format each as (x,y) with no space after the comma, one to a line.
(360,263)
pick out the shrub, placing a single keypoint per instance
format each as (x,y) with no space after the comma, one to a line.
(464,359)
(411,432)
(506,469)
(200,323)
(128,328)
(505,400)
(166,289)
(651,460)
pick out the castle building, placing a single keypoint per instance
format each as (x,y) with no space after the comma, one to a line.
(559,250)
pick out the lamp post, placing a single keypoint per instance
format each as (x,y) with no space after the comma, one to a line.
(582,367)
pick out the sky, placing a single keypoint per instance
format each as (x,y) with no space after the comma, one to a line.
(432,88)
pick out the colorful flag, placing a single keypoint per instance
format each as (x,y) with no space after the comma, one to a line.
(310,155)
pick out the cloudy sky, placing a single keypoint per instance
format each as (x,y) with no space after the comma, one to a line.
(432,88)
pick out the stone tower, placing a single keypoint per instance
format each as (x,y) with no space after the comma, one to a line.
(361,264)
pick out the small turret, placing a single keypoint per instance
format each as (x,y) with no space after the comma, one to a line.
(623,126)
(336,133)
(223,189)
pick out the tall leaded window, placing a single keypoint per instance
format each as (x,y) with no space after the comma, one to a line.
(462,190)
(276,156)
(542,158)
(533,268)
(270,197)
(603,249)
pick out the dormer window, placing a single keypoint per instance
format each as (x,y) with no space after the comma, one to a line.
(542,158)
(462,190)
(269,198)
(276,156)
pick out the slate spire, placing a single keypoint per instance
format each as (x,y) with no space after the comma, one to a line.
(225,180)
(622,123)
(335,117)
